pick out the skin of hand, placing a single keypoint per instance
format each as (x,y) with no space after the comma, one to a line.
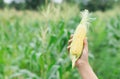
(82,63)
(84,57)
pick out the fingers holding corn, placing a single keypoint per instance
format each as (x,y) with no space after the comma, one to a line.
(84,56)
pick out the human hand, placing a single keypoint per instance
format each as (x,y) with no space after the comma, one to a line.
(83,59)
(82,63)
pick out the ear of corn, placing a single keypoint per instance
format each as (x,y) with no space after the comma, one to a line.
(78,37)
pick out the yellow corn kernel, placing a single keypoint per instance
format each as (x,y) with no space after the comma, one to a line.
(78,37)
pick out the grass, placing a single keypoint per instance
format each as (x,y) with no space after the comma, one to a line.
(33,44)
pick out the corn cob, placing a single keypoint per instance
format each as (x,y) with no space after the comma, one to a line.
(78,37)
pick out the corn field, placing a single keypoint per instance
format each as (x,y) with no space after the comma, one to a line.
(33,45)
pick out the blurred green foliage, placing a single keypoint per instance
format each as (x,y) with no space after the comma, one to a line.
(91,5)
(27,4)
(1,4)
(94,5)
(34,44)
(31,4)
(105,45)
